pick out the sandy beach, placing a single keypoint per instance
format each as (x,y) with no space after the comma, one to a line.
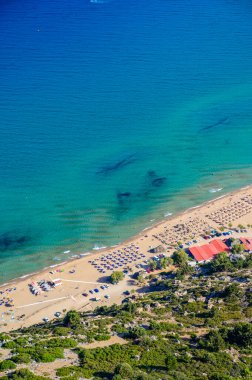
(89,272)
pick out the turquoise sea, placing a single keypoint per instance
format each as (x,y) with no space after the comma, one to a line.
(114,114)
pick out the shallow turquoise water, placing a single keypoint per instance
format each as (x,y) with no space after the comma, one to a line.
(114,114)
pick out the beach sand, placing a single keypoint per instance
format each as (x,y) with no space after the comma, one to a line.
(28,309)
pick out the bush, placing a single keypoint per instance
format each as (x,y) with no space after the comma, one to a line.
(124,370)
(10,345)
(101,337)
(22,358)
(64,343)
(219,376)
(4,337)
(214,341)
(180,258)
(171,362)
(117,377)
(62,331)
(241,335)
(116,276)
(221,263)
(24,374)
(7,364)
(72,319)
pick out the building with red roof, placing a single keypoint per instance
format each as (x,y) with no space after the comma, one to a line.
(207,252)
(247,243)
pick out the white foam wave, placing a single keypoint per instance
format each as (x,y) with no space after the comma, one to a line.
(56,258)
(215,189)
(97,247)
(168,214)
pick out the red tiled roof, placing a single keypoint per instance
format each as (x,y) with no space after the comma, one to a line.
(208,251)
(247,243)
(219,245)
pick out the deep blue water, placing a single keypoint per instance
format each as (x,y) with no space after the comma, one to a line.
(114,113)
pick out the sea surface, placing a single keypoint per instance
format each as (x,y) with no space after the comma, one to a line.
(114,114)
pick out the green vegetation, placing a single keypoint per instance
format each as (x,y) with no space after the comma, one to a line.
(7,364)
(23,374)
(189,324)
(180,258)
(72,319)
(116,277)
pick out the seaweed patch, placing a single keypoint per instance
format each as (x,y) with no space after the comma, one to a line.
(10,240)
(107,169)
(155,180)
(219,122)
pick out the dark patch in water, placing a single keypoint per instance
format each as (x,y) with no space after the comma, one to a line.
(151,174)
(220,122)
(117,165)
(155,180)
(128,199)
(123,197)
(10,240)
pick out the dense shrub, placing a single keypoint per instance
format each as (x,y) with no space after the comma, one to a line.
(72,319)
(24,374)
(124,370)
(62,331)
(241,335)
(57,342)
(7,364)
(22,358)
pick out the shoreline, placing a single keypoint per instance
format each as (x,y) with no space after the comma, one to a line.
(78,256)
(79,277)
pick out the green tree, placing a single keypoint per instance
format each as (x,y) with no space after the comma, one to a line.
(22,358)
(180,257)
(116,276)
(7,364)
(153,265)
(140,278)
(241,335)
(238,248)
(184,269)
(137,332)
(124,370)
(221,263)
(165,262)
(214,341)
(25,374)
(220,376)
(72,319)
(232,291)
(117,377)
(171,362)
(130,307)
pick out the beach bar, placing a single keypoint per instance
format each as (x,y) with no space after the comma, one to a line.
(207,252)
